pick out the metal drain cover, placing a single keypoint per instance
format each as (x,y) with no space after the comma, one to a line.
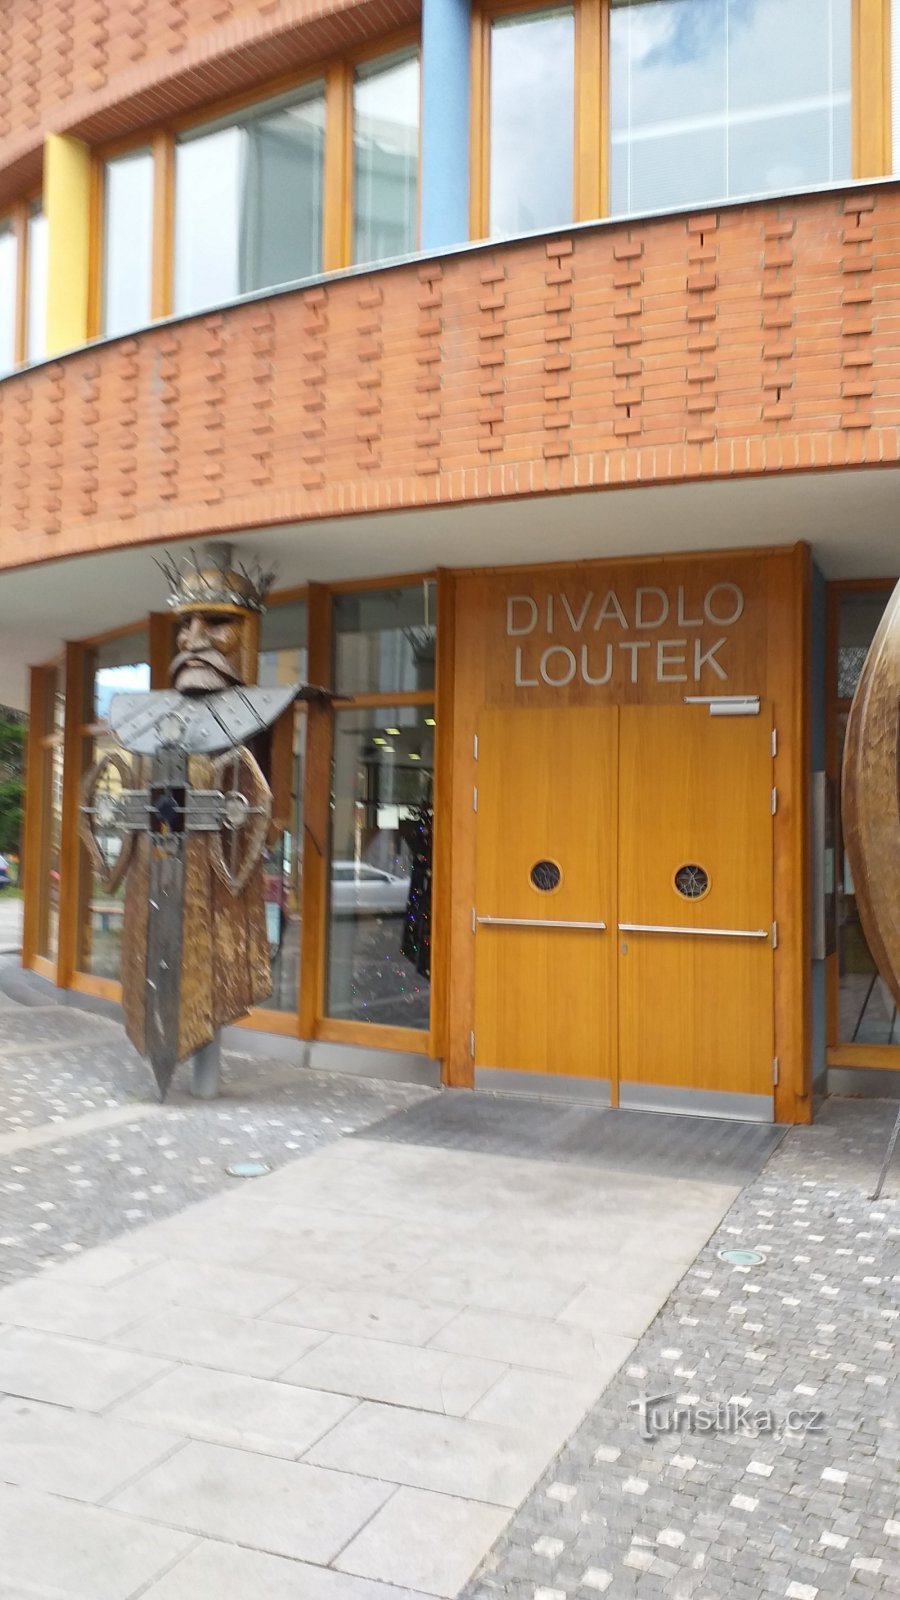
(741,1258)
(248,1169)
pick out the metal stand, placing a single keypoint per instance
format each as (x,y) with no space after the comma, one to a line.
(892,1144)
(207,1066)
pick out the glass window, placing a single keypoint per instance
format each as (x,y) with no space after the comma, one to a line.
(384,640)
(9,277)
(379,939)
(117,666)
(248,201)
(717,98)
(385,157)
(127,241)
(282,659)
(36,292)
(532,121)
(866,1011)
(50,780)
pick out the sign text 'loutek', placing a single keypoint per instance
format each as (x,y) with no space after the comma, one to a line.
(598,637)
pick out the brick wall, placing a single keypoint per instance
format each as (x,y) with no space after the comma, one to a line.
(99,69)
(760,338)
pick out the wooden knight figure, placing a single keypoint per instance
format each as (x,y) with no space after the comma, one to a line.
(185,821)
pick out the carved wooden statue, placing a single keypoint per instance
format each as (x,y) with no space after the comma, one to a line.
(186,824)
(871,797)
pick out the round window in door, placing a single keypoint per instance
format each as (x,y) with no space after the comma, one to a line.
(691,881)
(545,876)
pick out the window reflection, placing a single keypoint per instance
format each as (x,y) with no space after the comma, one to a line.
(866,1011)
(9,257)
(385,158)
(282,660)
(718,98)
(36,293)
(379,944)
(127,241)
(384,640)
(531,121)
(248,201)
(118,666)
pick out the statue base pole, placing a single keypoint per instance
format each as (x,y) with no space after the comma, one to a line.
(207,1069)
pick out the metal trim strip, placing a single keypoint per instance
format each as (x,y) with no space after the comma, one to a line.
(538,922)
(672,1099)
(709,933)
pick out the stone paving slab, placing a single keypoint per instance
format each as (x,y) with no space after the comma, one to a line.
(310,1385)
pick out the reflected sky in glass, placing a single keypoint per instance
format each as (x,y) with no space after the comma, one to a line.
(385,159)
(8,263)
(717,98)
(127,242)
(36,305)
(248,203)
(532,122)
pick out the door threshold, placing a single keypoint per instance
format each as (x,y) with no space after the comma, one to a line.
(543,1086)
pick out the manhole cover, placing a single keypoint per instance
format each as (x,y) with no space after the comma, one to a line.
(248,1169)
(742,1258)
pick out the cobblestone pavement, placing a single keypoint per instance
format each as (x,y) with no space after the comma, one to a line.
(710,1515)
(91,1183)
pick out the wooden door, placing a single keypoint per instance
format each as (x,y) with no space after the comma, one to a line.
(695,935)
(545,951)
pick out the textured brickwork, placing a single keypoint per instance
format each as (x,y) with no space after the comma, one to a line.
(99,69)
(756,339)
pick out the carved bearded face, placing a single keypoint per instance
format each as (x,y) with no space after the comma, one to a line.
(209,653)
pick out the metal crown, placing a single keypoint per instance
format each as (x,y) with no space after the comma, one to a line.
(196,581)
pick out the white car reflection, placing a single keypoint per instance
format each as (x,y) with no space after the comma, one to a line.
(358,889)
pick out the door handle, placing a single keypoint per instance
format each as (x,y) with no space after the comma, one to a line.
(695,933)
(539,922)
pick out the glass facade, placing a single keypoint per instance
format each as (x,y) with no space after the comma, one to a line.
(248,201)
(36,290)
(382,808)
(114,667)
(711,99)
(866,1011)
(532,121)
(127,242)
(385,157)
(282,660)
(385,639)
(379,944)
(51,781)
(9,278)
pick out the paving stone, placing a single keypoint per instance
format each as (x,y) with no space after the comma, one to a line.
(286,1507)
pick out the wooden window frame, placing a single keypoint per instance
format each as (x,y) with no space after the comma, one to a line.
(315,1023)
(588,101)
(336,74)
(18,214)
(870,97)
(838,1054)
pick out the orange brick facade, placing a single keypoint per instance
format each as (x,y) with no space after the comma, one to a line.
(106,69)
(756,339)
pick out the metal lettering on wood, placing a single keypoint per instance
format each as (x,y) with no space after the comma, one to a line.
(871,796)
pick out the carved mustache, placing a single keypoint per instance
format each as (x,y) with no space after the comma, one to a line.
(207,658)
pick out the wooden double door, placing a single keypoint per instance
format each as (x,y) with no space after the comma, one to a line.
(624,905)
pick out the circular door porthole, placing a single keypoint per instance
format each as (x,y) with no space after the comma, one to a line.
(691,881)
(545,876)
